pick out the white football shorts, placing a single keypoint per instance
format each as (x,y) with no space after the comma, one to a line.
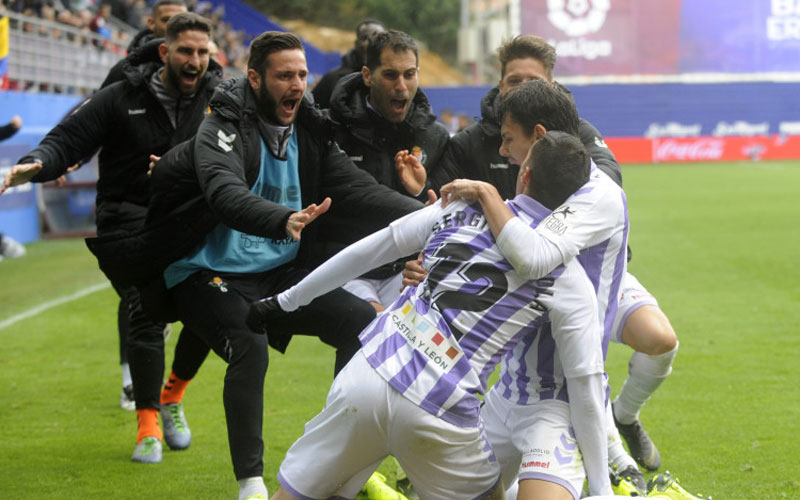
(365,420)
(632,296)
(534,441)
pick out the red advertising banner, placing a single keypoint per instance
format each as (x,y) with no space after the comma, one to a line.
(706,148)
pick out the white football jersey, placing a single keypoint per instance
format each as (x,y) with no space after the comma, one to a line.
(439,342)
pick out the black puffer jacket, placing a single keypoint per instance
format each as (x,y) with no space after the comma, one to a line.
(371,142)
(117,72)
(474,153)
(129,123)
(207,180)
(351,62)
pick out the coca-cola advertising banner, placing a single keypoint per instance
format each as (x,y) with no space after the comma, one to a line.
(604,37)
(694,149)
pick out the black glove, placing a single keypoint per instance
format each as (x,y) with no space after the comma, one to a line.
(261,312)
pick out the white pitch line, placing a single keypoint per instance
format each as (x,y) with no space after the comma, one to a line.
(53,303)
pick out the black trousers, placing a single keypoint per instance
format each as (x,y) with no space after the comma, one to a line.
(214,306)
(145,352)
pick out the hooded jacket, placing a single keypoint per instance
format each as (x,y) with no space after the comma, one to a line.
(474,153)
(207,180)
(129,123)
(352,62)
(117,73)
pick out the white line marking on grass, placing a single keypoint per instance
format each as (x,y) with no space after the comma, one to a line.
(53,303)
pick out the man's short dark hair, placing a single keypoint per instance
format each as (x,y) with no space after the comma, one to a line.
(186,21)
(161,3)
(540,102)
(360,32)
(268,43)
(559,166)
(525,46)
(398,41)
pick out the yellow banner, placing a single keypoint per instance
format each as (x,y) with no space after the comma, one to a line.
(3,37)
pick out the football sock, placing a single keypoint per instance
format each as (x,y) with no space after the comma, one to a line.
(148,424)
(173,390)
(251,487)
(617,455)
(126,375)
(511,492)
(645,374)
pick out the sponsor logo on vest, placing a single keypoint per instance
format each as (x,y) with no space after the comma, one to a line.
(496,166)
(137,111)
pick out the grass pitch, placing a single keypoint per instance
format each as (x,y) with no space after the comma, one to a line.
(717,244)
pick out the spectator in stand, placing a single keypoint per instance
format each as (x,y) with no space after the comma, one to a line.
(99,21)
(352,61)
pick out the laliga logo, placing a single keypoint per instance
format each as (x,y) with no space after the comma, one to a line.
(578,17)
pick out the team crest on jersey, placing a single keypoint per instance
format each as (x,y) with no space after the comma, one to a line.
(419,154)
(225,141)
(578,17)
(218,283)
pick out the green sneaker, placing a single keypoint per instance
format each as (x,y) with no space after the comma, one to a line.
(628,482)
(377,489)
(666,487)
(148,451)
(176,430)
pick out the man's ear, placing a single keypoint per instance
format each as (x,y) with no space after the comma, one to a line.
(150,23)
(254,79)
(539,131)
(162,52)
(366,76)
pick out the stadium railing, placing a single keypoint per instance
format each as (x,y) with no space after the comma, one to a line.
(53,57)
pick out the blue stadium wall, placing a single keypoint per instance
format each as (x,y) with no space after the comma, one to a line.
(712,117)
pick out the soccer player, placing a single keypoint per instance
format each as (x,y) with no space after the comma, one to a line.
(383,118)
(159,104)
(412,391)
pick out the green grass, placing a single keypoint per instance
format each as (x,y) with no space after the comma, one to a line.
(716,244)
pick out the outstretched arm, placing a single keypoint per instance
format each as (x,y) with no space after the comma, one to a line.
(404,236)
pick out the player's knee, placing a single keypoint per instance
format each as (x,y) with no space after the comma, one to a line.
(649,331)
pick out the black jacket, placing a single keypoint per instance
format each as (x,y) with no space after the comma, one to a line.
(202,182)
(371,142)
(129,123)
(474,153)
(117,72)
(351,62)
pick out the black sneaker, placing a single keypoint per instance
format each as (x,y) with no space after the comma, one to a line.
(261,311)
(642,448)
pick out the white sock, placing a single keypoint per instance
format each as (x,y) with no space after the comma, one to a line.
(617,456)
(250,486)
(511,492)
(126,375)
(645,374)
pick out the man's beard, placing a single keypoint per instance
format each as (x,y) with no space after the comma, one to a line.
(174,77)
(266,105)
